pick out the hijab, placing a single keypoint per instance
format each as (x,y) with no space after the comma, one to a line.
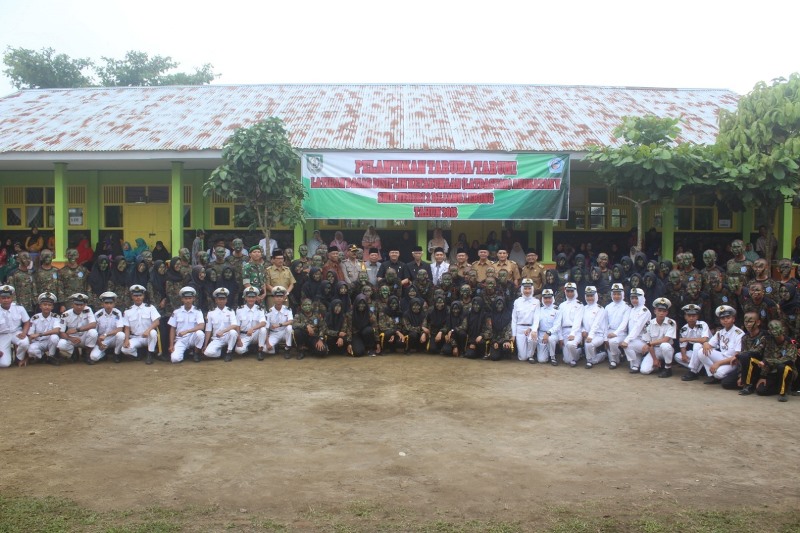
(98,280)
(334,320)
(173,272)
(476,319)
(501,318)
(415,319)
(437,318)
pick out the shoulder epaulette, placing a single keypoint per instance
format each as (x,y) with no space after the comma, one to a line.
(36,317)
(670,322)
(86,311)
(737,330)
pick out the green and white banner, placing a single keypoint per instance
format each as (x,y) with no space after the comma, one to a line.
(435,185)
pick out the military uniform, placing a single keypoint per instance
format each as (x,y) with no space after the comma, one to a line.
(779,368)
(308,339)
(237,263)
(739,269)
(534,272)
(73,280)
(22,281)
(47,280)
(255,275)
(752,353)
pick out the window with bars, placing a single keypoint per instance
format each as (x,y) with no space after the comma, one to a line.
(35,206)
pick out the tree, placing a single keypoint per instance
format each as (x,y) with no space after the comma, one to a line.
(261,170)
(29,69)
(139,69)
(756,158)
(650,165)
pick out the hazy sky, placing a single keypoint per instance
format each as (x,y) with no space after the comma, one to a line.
(728,45)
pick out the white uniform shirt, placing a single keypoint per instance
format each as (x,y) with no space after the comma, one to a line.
(593,322)
(249,317)
(654,330)
(11,319)
(219,319)
(729,342)
(618,315)
(637,321)
(41,323)
(548,319)
(108,321)
(183,319)
(700,330)
(437,270)
(570,312)
(139,318)
(279,317)
(71,320)
(524,312)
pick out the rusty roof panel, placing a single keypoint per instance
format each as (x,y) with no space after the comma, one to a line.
(510,118)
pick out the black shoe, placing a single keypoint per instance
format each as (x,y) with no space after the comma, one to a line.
(533,361)
(163,358)
(689,376)
(665,373)
(228,357)
(148,360)
(746,391)
(287,355)
(554,362)
(634,370)
(52,360)
(116,357)
(75,355)
(260,355)
(300,355)
(712,381)
(88,360)
(196,356)
(783,398)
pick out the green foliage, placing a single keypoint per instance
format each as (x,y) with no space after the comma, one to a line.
(650,164)
(756,159)
(260,169)
(29,69)
(139,69)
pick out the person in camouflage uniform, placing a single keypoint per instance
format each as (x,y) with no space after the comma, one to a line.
(22,281)
(45,279)
(219,261)
(738,266)
(99,281)
(752,353)
(186,265)
(687,268)
(762,275)
(757,301)
(254,273)
(778,369)
(237,259)
(72,277)
(307,328)
(173,284)
(710,260)
(719,294)
(120,283)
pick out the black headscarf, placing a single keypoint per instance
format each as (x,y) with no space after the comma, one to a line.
(231,284)
(200,287)
(311,288)
(344,297)
(334,320)
(437,318)
(160,253)
(98,280)
(501,316)
(476,319)
(361,319)
(140,278)
(121,279)
(454,320)
(415,319)
(158,282)
(174,275)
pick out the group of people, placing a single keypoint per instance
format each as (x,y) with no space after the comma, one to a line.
(733,322)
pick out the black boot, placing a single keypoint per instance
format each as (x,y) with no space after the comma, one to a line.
(196,356)
(149,358)
(88,360)
(228,356)
(52,360)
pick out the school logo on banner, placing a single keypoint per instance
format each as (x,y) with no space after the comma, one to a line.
(314,163)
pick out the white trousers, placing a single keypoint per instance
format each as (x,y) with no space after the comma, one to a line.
(214,348)
(591,350)
(88,340)
(194,339)
(614,351)
(136,342)
(43,345)
(710,359)
(546,351)
(6,341)
(664,351)
(114,341)
(634,353)
(259,337)
(525,345)
(277,336)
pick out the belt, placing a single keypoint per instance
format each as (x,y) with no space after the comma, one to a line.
(524,324)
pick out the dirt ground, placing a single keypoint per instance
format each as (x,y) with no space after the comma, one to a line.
(427,433)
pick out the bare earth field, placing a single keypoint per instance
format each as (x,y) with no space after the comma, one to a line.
(435,437)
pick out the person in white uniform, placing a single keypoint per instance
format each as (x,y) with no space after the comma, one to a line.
(14,325)
(589,333)
(222,328)
(695,332)
(252,324)
(523,315)
(110,328)
(570,310)
(659,336)
(637,322)
(187,328)
(141,326)
(80,328)
(279,322)
(618,314)
(546,326)
(718,354)
(45,331)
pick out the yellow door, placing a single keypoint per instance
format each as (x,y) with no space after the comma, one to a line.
(148,221)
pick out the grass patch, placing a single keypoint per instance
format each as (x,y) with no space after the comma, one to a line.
(54,515)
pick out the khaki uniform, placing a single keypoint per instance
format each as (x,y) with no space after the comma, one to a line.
(513,270)
(481,268)
(535,272)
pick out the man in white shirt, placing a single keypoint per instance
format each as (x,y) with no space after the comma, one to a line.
(187,327)
(695,332)
(439,265)
(279,322)
(45,331)
(719,352)
(659,334)
(79,328)
(110,328)
(523,316)
(589,332)
(268,245)
(222,328)
(570,311)
(252,324)
(141,326)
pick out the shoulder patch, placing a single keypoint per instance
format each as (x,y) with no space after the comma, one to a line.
(670,322)
(37,317)
(738,331)
(85,310)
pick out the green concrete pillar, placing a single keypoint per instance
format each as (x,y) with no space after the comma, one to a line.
(785,240)
(298,239)
(176,206)
(668,231)
(61,212)
(547,242)
(93,206)
(422,236)
(748,219)
(199,204)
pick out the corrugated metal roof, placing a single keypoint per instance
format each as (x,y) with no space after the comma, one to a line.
(508,118)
